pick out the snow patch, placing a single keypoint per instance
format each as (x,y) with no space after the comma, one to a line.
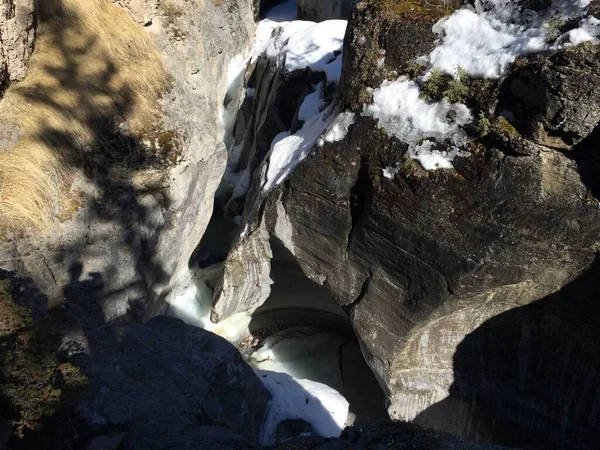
(485,41)
(286,153)
(432,159)
(402,113)
(338,128)
(588,31)
(319,405)
(390,172)
(312,105)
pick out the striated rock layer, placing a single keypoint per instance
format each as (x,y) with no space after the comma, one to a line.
(434,267)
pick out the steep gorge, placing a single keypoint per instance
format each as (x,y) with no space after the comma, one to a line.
(269,195)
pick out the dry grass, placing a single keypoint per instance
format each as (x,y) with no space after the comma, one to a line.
(92,65)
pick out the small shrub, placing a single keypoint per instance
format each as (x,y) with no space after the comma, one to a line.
(433,88)
(483,124)
(456,90)
(554,28)
(413,68)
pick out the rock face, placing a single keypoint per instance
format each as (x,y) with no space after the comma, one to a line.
(130,216)
(319,10)
(16,37)
(172,381)
(424,261)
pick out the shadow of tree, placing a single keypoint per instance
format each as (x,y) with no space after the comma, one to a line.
(531,375)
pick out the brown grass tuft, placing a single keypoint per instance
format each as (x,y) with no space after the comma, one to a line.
(93,67)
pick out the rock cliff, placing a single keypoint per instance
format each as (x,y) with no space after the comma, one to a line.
(424,260)
(125,151)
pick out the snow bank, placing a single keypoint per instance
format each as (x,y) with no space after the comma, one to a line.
(299,44)
(486,40)
(319,405)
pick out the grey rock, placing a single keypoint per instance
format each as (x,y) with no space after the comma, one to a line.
(423,261)
(135,228)
(141,375)
(17,34)
(320,10)
(553,98)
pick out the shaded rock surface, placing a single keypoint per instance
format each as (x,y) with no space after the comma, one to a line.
(135,224)
(319,10)
(423,261)
(167,380)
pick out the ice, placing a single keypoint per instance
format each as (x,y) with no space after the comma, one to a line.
(319,405)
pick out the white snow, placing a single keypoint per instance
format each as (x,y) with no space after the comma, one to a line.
(321,406)
(338,128)
(432,159)
(484,41)
(312,105)
(286,153)
(390,172)
(588,31)
(402,113)
(299,44)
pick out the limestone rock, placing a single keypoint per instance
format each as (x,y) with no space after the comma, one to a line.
(17,37)
(424,260)
(126,225)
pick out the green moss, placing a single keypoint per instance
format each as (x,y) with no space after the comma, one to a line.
(502,126)
(411,167)
(419,9)
(554,27)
